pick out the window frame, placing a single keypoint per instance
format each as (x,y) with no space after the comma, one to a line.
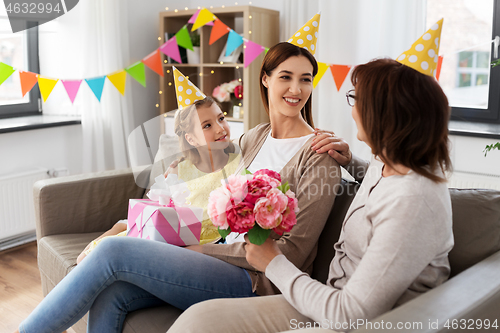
(492,113)
(34,106)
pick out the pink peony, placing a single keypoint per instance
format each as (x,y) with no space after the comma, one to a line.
(257,188)
(289,215)
(221,94)
(241,217)
(270,173)
(218,202)
(237,185)
(293,203)
(268,210)
(238,92)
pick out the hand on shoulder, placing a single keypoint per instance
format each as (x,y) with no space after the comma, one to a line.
(336,147)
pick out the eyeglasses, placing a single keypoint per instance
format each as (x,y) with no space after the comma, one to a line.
(351,98)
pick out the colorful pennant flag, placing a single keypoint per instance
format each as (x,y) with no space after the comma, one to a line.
(97,86)
(5,72)
(438,67)
(195,15)
(339,73)
(219,29)
(233,41)
(267,49)
(322,67)
(138,72)
(183,38)
(28,81)
(72,88)
(251,51)
(119,79)
(46,86)
(171,49)
(153,61)
(204,17)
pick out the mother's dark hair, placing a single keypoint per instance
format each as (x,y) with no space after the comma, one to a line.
(405,116)
(274,57)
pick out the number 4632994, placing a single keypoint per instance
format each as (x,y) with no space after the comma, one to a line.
(471,324)
(32,8)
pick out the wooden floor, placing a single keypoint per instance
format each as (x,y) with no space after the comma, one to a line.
(20,286)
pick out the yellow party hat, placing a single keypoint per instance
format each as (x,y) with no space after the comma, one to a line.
(307,36)
(422,56)
(187,93)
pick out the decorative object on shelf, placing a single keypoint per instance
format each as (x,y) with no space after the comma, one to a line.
(232,57)
(230,92)
(194,55)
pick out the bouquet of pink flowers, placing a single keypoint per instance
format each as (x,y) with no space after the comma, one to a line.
(255,204)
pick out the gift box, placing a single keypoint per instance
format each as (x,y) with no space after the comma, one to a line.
(176,225)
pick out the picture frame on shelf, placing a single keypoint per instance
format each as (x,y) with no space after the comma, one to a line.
(233,57)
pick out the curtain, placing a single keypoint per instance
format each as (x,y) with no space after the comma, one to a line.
(352,32)
(91,40)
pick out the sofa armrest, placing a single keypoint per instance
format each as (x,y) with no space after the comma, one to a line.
(83,203)
(472,294)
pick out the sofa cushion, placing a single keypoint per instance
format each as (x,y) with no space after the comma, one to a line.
(476,227)
(331,231)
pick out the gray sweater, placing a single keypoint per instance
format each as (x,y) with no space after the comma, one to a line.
(393,246)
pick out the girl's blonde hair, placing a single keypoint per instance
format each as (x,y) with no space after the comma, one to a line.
(184,123)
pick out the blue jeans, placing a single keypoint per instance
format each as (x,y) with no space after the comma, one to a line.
(124,274)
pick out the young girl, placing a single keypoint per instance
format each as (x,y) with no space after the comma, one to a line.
(204,138)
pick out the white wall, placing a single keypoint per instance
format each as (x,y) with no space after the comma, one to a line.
(51,148)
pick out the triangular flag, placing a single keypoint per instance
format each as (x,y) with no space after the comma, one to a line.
(183,38)
(204,17)
(251,51)
(28,81)
(72,88)
(219,29)
(138,72)
(322,67)
(422,56)
(5,72)
(171,49)
(97,86)
(195,15)
(193,18)
(46,86)
(438,68)
(153,61)
(118,79)
(233,41)
(339,73)
(267,49)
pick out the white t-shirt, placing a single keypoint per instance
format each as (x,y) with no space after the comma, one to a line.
(273,155)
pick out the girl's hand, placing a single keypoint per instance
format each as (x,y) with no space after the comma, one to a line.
(259,256)
(172,169)
(337,148)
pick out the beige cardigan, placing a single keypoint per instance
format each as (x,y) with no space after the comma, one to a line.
(314,178)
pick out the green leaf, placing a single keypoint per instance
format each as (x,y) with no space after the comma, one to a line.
(495,63)
(491,147)
(257,235)
(224,232)
(284,187)
(246,172)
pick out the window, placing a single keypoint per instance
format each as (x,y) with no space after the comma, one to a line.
(467,78)
(19,50)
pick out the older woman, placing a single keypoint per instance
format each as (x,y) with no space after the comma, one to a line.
(396,234)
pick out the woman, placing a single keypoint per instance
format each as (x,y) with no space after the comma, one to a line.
(125,274)
(397,232)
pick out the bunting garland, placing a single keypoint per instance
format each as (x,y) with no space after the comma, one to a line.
(170,48)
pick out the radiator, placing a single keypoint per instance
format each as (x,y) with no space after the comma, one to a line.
(17,213)
(465,179)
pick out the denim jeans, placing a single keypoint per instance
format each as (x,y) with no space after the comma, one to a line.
(124,274)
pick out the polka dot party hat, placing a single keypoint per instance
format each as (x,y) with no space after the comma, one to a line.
(187,93)
(423,54)
(307,36)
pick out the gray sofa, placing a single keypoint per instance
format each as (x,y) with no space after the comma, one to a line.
(72,211)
